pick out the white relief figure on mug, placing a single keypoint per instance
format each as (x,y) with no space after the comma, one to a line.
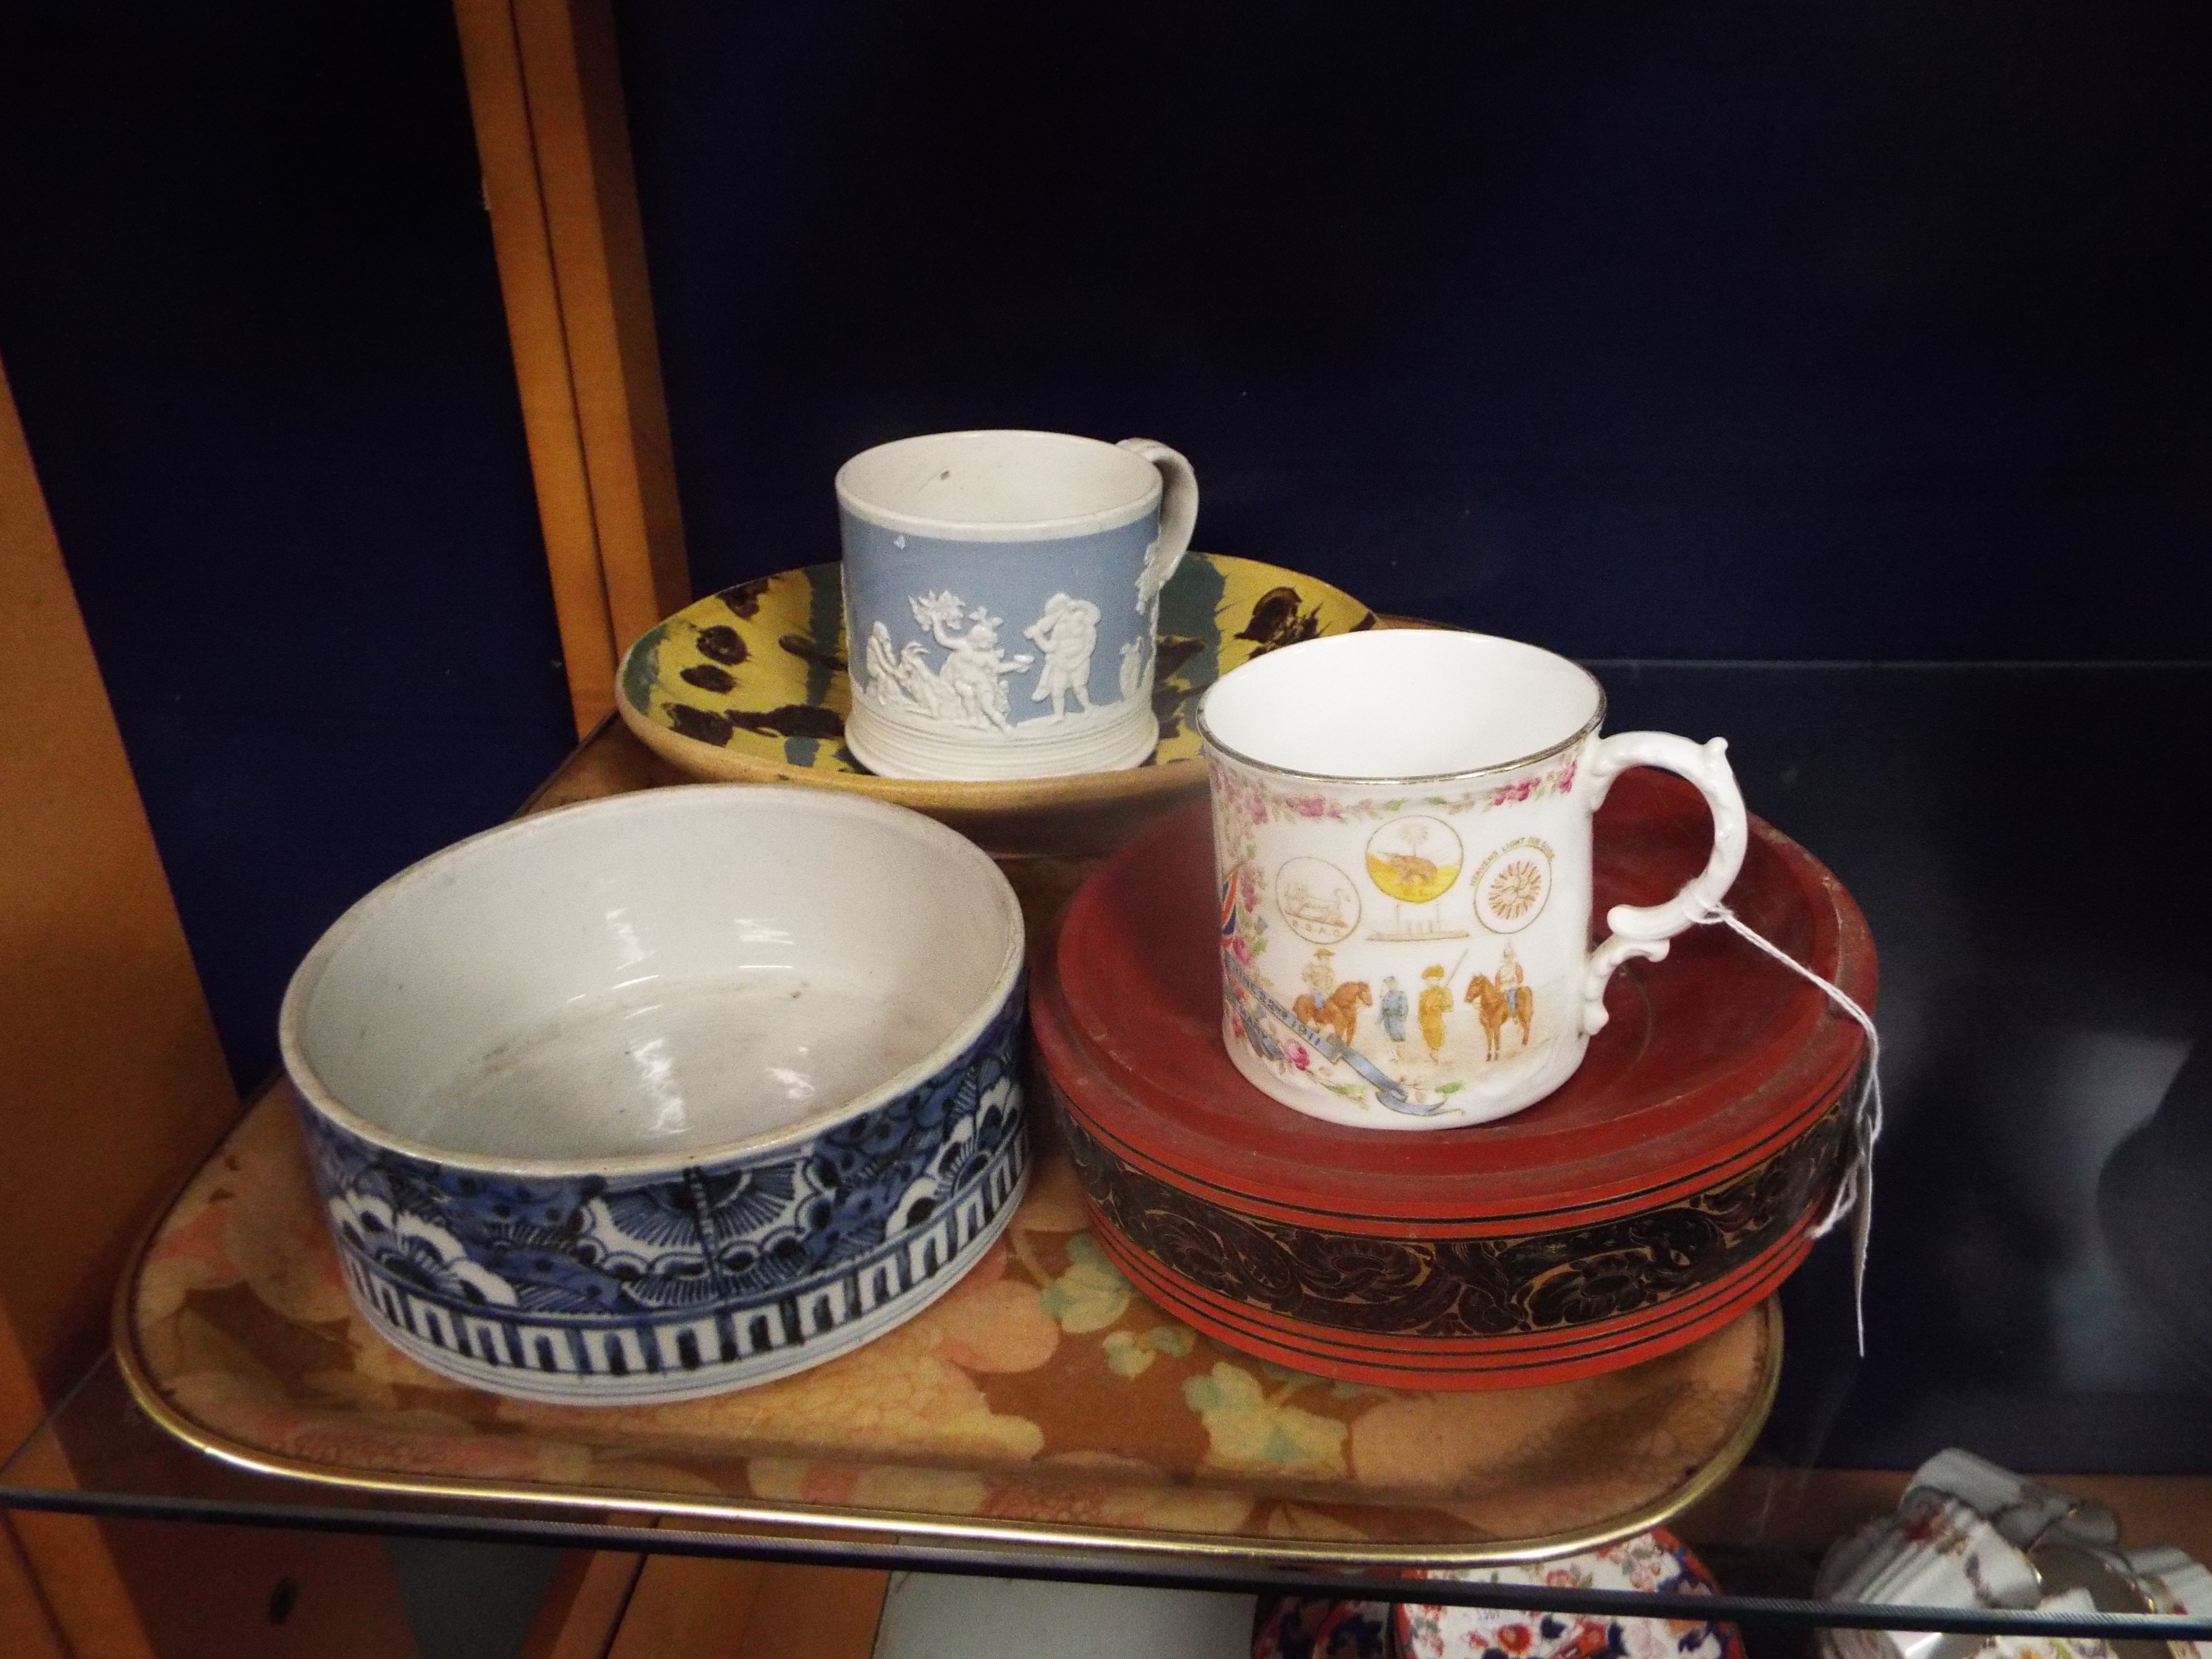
(969,689)
(1067,634)
(974,669)
(904,680)
(1133,669)
(898,679)
(1032,562)
(1158,563)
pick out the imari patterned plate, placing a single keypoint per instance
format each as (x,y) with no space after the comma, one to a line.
(750,685)
(1306,1628)
(1670,1184)
(1655,1563)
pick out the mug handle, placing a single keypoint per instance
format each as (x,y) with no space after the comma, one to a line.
(1643,930)
(1178,502)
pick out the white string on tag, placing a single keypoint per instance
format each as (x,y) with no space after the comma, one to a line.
(1855,1190)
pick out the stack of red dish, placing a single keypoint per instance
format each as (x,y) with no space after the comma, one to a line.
(1667,1188)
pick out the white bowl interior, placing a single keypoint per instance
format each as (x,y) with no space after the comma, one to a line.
(653,976)
(1399,704)
(974,484)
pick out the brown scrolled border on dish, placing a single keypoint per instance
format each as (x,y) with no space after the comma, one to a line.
(1491,1287)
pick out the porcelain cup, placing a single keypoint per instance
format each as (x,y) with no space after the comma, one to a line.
(2025,1512)
(1403,839)
(2176,1583)
(1002,600)
(1940,1552)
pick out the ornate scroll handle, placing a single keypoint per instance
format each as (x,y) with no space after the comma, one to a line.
(1178,507)
(1644,930)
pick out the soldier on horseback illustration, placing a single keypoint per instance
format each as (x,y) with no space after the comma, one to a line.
(1507,997)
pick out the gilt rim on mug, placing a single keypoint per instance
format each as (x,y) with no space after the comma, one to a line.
(1588,727)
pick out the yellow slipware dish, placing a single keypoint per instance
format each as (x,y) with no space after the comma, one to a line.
(750,684)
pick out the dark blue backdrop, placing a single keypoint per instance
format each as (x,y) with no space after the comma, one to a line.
(1723,331)
(248,305)
(1720,330)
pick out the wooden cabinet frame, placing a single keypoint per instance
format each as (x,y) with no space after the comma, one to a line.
(117,1085)
(553,139)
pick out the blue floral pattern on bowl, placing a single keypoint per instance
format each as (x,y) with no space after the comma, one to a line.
(670,1285)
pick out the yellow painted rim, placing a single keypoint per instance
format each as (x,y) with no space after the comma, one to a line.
(749,684)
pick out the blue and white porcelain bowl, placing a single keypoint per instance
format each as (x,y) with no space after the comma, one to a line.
(665,1094)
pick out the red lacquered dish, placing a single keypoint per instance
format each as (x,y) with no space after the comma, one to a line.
(1669,1186)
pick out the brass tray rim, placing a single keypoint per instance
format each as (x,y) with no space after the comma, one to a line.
(895,1525)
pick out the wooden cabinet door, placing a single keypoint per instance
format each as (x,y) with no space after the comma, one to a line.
(114,1088)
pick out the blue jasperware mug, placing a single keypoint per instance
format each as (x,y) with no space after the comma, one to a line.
(1002,600)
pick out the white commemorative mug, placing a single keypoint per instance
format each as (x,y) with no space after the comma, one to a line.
(1403,839)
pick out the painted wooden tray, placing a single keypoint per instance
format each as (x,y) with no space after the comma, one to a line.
(1043,1401)
(1668,1185)
(750,684)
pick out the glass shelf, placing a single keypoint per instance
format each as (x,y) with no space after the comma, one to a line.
(2016,839)
(100,1455)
